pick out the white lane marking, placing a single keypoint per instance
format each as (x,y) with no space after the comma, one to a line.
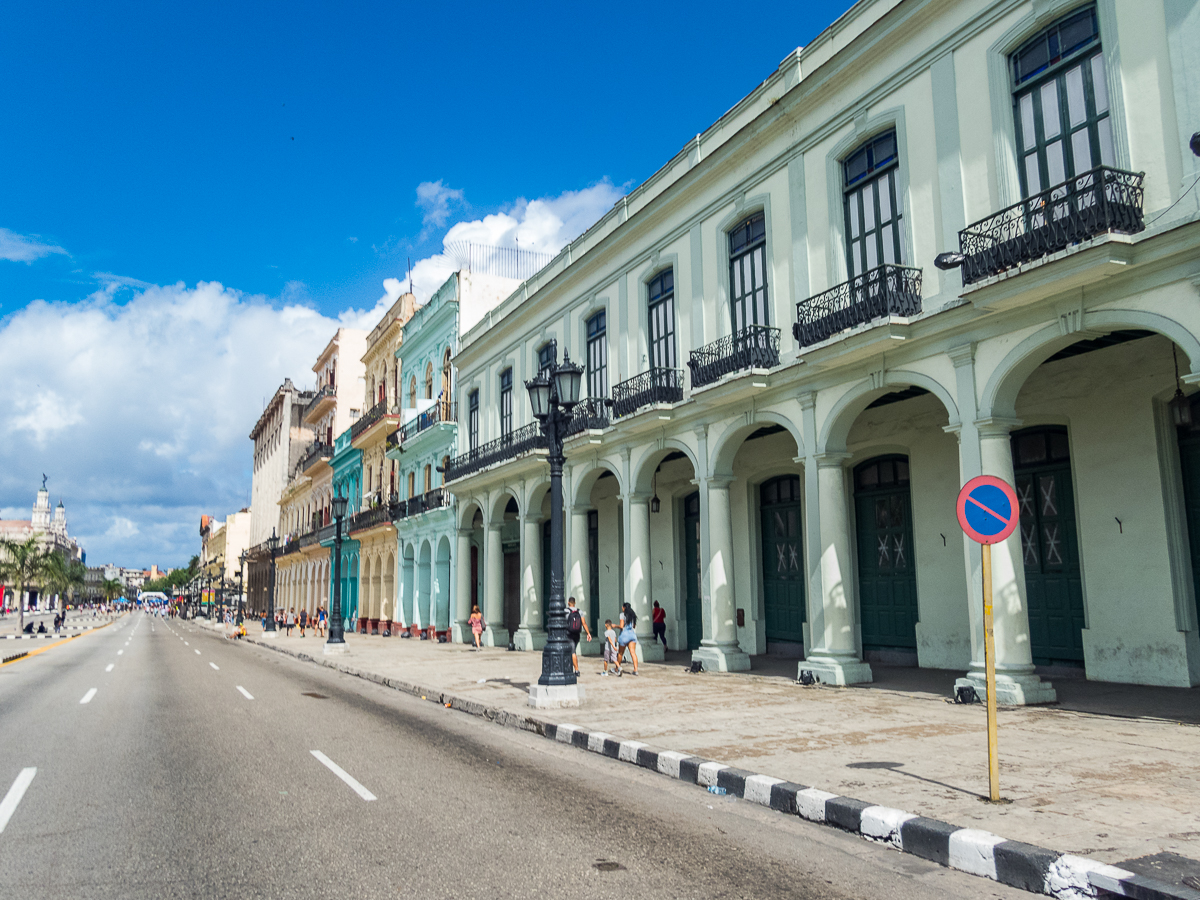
(186,644)
(87,698)
(109,667)
(343,774)
(245,693)
(8,805)
(197,652)
(215,666)
(119,652)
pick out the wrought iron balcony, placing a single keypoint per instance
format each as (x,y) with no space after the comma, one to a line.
(1101,200)
(316,452)
(588,415)
(753,347)
(365,421)
(369,518)
(323,394)
(292,545)
(509,446)
(441,411)
(654,386)
(437,498)
(886,290)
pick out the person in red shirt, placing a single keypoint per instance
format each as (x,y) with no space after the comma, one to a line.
(660,624)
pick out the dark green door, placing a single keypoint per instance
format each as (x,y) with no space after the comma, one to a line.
(1053,584)
(594,571)
(691,565)
(782,559)
(1189,461)
(887,574)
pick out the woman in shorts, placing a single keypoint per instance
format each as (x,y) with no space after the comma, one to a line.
(627,639)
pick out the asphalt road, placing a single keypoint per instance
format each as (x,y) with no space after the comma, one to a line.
(170,781)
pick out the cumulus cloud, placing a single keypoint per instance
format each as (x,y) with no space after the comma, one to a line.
(25,247)
(434,200)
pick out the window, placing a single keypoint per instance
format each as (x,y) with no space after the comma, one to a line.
(748,273)
(428,478)
(412,392)
(597,355)
(874,225)
(547,356)
(473,420)
(429,381)
(446,377)
(412,484)
(661,315)
(1060,103)
(506,403)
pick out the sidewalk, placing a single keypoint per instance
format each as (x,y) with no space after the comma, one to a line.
(1109,787)
(77,622)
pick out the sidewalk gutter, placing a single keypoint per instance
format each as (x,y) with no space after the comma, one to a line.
(1014,863)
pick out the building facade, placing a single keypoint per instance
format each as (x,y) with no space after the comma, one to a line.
(786,393)
(49,526)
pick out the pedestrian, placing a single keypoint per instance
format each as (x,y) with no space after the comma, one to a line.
(660,624)
(291,620)
(627,639)
(321,621)
(477,626)
(610,647)
(303,621)
(576,624)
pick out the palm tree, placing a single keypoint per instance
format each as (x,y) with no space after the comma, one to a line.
(23,565)
(112,589)
(63,576)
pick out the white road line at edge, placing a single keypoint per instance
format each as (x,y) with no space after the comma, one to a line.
(245,693)
(87,698)
(109,667)
(343,774)
(8,805)
(215,666)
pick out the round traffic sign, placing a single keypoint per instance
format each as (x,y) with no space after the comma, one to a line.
(987,509)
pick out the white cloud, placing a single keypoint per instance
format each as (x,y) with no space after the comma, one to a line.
(25,247)
(43,413)
(121,528)
(435,199)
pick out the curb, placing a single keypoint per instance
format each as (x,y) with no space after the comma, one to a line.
(976,852)
(50,635)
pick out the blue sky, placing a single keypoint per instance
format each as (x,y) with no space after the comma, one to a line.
(279,151)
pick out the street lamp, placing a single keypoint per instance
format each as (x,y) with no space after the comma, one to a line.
(273,548)
(553,394)
(241,565)
(336,642)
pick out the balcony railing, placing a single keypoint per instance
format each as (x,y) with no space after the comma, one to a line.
(369,518)
(654,386)
(318,450)
(754,347)
(509,446)
(1101,200)
(369,418)
(437,498)
(439,412)
(886,290)
(323,394)
(588,415)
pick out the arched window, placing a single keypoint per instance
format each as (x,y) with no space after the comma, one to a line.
(412,392)
(748,273)
(429,381)
(873,205)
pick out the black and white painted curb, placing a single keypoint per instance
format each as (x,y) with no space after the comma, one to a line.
(970,850)
(49,635)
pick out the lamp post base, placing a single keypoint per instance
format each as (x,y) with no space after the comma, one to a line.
(270,635)
(555,696)
(336,649)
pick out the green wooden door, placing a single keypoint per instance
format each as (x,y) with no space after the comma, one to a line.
(782,559)
(1053,583)
(1189,460)
(691,564)
(887,574)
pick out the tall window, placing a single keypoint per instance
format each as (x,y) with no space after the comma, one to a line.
(547,356)
(661,314)
(597,355)
(412,484)
(473,420)
(506,403)
(446,377)
(428,478)
(1060,102)
(874,222)
(748,273)
(429,381)
(412,392)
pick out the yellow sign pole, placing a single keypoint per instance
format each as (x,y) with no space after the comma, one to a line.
(989,649)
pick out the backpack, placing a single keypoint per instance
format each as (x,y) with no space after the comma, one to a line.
(574,620)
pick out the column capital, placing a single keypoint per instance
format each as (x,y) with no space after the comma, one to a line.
(831,459)
(635,497)
(996,426)
(464,532)
(808,399)
(962,355)
(718,482)
(579,509)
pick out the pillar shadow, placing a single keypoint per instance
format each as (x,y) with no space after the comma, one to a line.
(898,768)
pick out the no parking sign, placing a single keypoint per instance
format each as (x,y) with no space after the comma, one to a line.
(987,509)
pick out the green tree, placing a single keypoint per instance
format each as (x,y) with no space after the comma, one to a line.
(112,589)
(23,565)
(63,576)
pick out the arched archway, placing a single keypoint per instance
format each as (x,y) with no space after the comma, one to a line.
(441,591)
(424,587)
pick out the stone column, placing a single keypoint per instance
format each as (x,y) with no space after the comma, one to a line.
(719,650)
(834,655)
(638,572)
(495,635)
(460,633)
(531,635)
(578,575)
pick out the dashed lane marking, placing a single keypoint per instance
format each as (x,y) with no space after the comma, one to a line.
(8,805)
(245,693)
(87,698)
(344,775)
(109,667)
(215,666)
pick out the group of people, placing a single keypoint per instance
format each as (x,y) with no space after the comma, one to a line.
(619,639)
(286,620)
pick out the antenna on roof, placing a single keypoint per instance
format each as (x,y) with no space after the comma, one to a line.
(410,274)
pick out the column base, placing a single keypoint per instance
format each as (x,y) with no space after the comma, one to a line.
(837,671)
(461,634)
(530,638)
(495,637)
(719,657)
(336,649)
(1011,690)
(270,635)
(650,651)
(554,696)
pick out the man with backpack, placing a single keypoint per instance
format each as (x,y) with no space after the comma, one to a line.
(576,623)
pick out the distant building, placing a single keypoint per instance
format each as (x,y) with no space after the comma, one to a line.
(50,527)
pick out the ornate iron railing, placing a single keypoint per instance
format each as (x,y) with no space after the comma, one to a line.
(886,290)
(1101,200)
(369,518)
(653,386)
(754,347)
(437,498)
(392,441)
(365,421)
(509,446)
(292,545)
(588,415)
(318,450)
(440,412)
(312,404)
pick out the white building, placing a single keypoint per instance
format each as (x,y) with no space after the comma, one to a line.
(798,393)
(48,526)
